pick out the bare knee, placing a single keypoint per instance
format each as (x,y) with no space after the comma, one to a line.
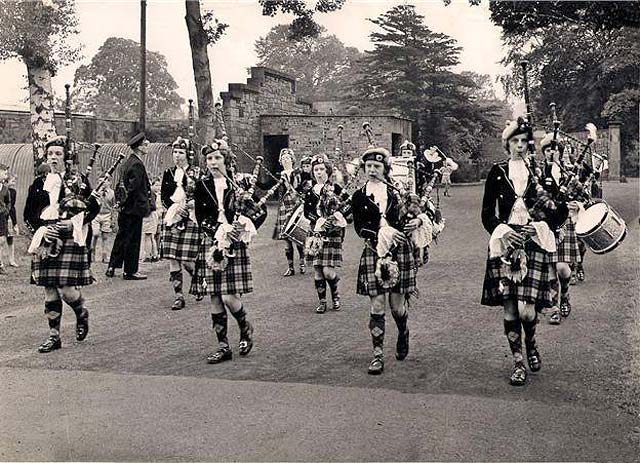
(526,311)
(564,270)
(51,294)
(510,310)
(378,304)
(329,273)
(70,293)
(397,302)
(232,302)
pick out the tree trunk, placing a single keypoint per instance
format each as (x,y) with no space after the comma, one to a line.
(201,72)
(41,102)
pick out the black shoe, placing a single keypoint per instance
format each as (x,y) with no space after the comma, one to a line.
(246,341)
(580,274)
(518,375)
(290,272)
(402,346)
(221,355)
(565,307)
(134,276)
(534,360)
(336,304)
(82,326)
(376,367)
(49,345)
(555,317)
(178,304)
(303,269)
(199,297)
(322,307)
(110,272)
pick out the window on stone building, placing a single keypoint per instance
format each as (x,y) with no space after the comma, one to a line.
(240,112)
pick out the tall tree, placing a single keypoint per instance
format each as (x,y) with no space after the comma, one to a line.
(205,30)
(38,32)
(322,65)
(109,85)
(583,56)
(410,71)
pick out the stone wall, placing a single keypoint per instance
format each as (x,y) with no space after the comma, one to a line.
(265,92)
(15,127)
(318,134)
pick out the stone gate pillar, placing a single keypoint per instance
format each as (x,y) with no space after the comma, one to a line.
(615,158)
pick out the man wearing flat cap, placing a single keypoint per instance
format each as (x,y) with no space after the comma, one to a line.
(135,193)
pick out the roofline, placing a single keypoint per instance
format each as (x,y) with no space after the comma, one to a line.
(390,116)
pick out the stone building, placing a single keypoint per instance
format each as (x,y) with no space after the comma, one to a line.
(264,115)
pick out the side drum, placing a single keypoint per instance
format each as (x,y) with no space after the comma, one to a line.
(298,227)
(601,228)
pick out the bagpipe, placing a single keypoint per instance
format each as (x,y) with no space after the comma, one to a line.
(248,209)
(597,224)
(76,191)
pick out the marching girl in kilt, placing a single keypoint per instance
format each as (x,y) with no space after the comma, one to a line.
(289,201)
(181,233)
(376,218)
(223,268)
(525,281)
(321,205)
(59,209)
(568,253)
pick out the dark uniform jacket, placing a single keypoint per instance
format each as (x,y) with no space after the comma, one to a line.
(366,214)
(169,185)
(499,197)
(5,202)
(38,200)
(12,212)
(311,200)
(206,203)
(138,188)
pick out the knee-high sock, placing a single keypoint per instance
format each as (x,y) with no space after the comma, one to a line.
(401,320)
(583,251)
(289,253)
(564,287)
(53,311)
(529,327)
(321,288)
(300,254)
(241,318)
(219,321)
(376,328)
(176,280)
(513,330)
(78,308)
(333,286)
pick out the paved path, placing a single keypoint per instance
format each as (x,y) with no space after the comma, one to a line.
(79,416)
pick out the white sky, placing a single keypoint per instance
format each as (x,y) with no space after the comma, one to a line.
(234,53)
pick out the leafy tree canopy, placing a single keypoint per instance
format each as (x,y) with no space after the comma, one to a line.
(322,65)
(110,85)
(39,32)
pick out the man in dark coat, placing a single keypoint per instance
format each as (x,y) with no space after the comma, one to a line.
(134,206)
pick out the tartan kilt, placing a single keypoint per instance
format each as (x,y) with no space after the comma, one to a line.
(235,279)
(71,268)
(286,208)
(331,253)
(367,282)
(569,247)
(180,245)
(538,287)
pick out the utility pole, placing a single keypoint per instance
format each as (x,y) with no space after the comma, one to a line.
(143,63)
